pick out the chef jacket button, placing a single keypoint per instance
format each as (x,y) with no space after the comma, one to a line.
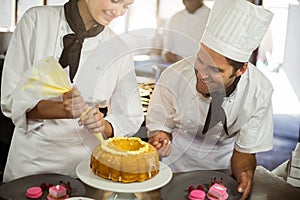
(57,57)
(188,121)
(185,131)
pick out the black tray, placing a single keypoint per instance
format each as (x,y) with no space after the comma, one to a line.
(177,188)
(16,189)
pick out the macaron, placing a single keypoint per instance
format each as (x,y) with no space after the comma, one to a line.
(34,192)
(197,195)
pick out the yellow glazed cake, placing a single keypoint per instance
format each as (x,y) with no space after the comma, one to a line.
(126,160)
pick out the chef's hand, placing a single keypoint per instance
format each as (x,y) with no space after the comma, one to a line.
(243,167)
(162,142)
(73,103)
(245,182)
(94,121)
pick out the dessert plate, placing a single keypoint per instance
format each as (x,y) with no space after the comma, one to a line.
(177,188)
(16,189)
(87,176)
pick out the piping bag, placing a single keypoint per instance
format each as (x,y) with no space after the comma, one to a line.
(99,136)
(47,79)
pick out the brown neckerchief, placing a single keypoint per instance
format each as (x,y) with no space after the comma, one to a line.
(73,42)
(216,112)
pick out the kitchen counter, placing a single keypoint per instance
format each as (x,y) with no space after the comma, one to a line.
(266,186)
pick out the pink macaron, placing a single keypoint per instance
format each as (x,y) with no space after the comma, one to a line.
(197,195)
(34,192)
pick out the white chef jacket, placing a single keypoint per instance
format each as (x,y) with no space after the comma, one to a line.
(177,108)
(185,30)
(58,145)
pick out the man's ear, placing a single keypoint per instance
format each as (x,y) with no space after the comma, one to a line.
(241,70)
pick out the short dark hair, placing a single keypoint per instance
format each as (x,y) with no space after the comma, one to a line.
(236,65)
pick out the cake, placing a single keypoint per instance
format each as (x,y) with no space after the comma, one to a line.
(57,192)
(34,192)
(217,192)
(197,195)
(123,159)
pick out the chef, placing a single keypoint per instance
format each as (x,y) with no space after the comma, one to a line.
(214,110)
(180,38)
(47,136)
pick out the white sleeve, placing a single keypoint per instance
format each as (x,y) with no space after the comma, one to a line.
(125,109)
(161,109)
(257,134)
(18,60)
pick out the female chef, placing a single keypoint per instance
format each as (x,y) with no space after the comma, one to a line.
(47,136)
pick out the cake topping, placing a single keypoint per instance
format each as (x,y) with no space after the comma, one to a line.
(67,185)
(43,186)
(133,146)
(200,187)
(191,188)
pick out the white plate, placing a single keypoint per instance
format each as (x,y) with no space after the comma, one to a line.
(87,176)
(79,198)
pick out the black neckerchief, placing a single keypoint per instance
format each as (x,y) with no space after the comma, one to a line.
(216,112)
(73,42)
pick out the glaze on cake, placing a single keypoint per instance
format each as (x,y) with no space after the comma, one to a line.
(126,160)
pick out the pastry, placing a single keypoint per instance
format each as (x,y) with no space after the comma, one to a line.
(217,192)
(34,192)
(197,195)
(57,192)
(126,160)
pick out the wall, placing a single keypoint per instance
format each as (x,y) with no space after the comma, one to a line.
(291,64)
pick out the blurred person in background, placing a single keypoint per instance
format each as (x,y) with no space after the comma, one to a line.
(185,30)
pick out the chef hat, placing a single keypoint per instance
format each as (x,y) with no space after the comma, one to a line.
(235,28)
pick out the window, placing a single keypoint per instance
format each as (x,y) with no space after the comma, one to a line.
(278,29)
(23,5)
(11,11)
(56,2)
(7,15)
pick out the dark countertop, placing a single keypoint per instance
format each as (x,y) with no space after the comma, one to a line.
(266,186)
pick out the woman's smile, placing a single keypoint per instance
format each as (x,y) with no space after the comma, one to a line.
(108,16)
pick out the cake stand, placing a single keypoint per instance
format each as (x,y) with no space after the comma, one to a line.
(123,191)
